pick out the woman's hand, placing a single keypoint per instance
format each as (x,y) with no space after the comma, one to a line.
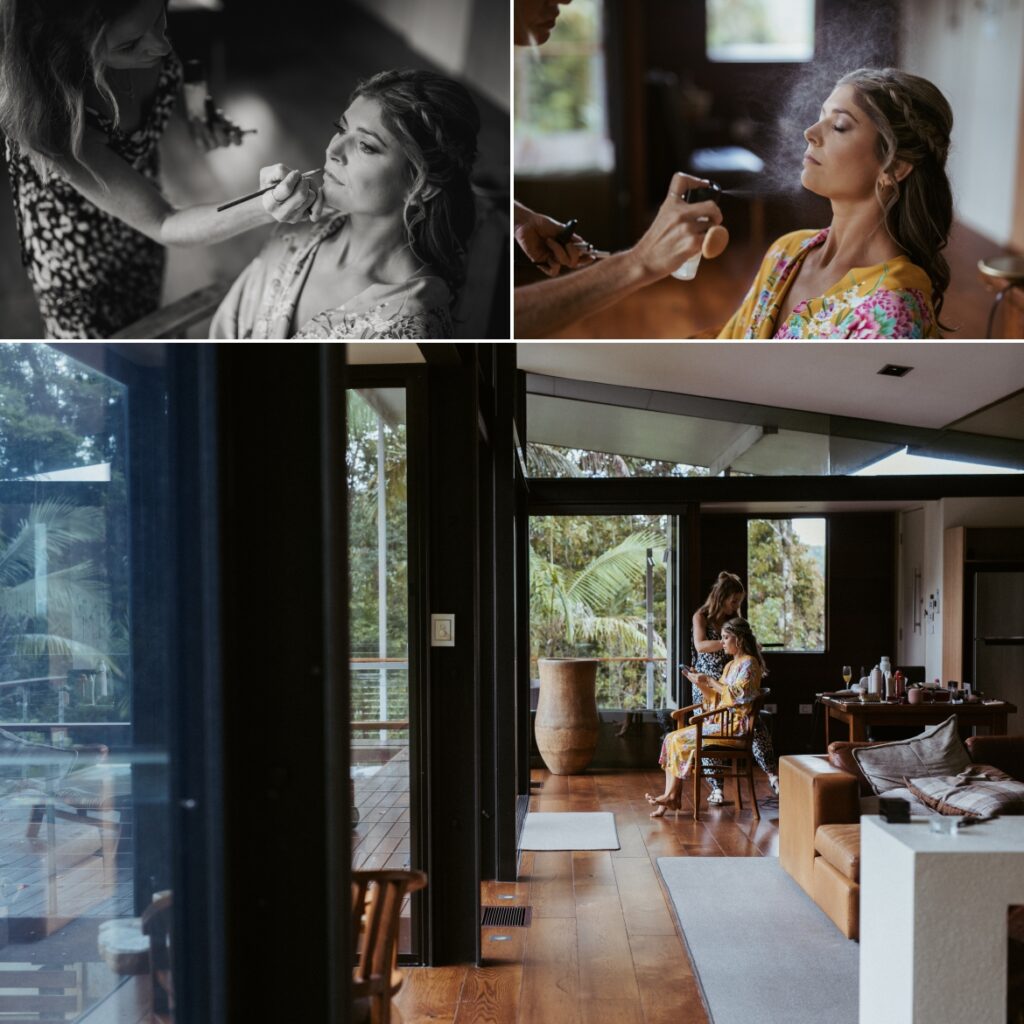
(216,130)
(293,197)
(536,235)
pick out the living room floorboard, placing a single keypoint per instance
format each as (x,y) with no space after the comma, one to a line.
(603,945)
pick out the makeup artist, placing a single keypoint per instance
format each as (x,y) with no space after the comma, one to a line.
(675,235)
(86,90)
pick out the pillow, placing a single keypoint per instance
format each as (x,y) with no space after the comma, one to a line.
(840,755)
(972,793)
(937,751)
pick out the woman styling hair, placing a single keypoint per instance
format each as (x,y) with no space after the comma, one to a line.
(878,153)
(390,259)
(737,686)
(86,90)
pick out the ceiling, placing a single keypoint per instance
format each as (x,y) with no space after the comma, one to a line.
(950,382)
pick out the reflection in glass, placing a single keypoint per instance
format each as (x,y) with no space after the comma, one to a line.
(70,762)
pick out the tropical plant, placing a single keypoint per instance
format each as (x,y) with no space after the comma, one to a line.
(593,609)
(37,608)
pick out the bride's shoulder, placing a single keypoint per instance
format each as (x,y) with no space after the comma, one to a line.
(794,241)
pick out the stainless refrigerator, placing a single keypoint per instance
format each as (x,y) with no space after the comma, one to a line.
(999,639)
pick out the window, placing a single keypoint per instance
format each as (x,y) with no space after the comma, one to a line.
(786,582)
(590,598)
(561,121)
(754,31)
(85,825)
(379,635)
(557,461)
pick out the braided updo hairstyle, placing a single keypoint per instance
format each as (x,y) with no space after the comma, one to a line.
(436,122)
(914,122)
(740,629)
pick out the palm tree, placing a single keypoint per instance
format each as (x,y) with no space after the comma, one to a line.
(37,601)
(572,610)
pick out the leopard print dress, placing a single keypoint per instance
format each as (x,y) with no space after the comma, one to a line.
(92,274)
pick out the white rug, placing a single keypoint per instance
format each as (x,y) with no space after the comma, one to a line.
(554,830)
(761,948)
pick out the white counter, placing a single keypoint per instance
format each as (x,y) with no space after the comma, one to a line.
(933,920)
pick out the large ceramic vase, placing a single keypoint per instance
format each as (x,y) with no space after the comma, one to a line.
(567,722)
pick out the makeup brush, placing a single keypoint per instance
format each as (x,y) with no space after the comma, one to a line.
(253,195)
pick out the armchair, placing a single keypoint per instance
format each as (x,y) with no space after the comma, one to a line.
(64,860)
(735,758)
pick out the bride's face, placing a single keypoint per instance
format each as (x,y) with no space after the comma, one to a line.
(365,170)
(841,160)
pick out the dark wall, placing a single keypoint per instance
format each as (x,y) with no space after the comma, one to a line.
(762,107)
(860,612)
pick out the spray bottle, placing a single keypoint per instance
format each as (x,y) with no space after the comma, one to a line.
(716,239)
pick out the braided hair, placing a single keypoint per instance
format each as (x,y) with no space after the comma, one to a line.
(914,122)
(436,122)
(740,630)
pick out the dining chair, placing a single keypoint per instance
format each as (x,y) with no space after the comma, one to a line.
(377,898)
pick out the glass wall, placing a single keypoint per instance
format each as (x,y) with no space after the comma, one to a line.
(379,634)
(600,587)
(85,834)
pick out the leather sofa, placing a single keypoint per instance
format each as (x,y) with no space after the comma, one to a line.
(820,806)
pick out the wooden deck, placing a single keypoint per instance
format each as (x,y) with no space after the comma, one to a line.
(381,839)
(603,946)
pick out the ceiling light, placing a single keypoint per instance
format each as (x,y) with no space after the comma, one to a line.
(892,370)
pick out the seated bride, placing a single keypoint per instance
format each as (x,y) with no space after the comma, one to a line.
(384,251)
(878,152)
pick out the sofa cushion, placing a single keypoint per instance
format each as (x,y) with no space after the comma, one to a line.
(840,755)
(973,793)
(840,846)
(1005,752)
(936,751)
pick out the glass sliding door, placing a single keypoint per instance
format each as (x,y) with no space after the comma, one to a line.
(86,832)
(383,816)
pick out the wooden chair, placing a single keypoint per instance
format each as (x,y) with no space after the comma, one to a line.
(376,905)
(739,753)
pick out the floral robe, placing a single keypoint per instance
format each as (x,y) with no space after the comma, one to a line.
(888,300)
(261,303)
(742,677)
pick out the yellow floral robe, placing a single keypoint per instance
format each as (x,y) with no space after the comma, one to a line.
(888,300)
(742,676)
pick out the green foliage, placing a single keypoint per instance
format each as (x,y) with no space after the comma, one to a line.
(557,85)
(554,461)
(738,21)
(58,415)
(785,586)
(587,598)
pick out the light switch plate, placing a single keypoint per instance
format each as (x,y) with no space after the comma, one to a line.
(442,630)
(806,709)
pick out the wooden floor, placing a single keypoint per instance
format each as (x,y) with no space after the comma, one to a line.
(603,946)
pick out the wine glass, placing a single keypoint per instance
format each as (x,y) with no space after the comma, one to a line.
(847,675)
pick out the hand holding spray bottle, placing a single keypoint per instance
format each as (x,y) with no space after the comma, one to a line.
(716,239)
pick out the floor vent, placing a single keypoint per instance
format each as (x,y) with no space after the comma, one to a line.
(506,917)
